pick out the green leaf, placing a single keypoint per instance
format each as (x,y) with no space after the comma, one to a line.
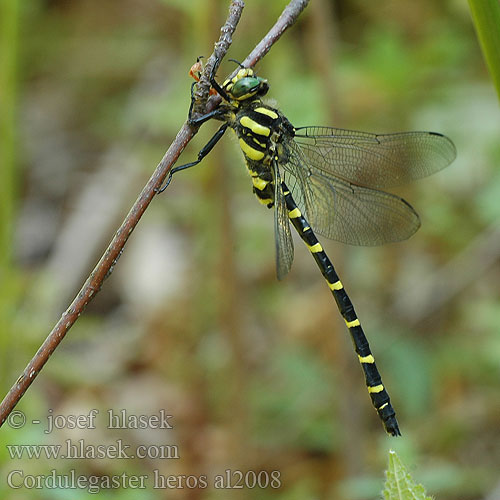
(486,17)
(399,484)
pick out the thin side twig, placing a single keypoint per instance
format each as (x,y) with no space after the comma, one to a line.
(107,262)
(287,18)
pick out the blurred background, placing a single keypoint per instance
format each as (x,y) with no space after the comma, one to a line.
(258,375)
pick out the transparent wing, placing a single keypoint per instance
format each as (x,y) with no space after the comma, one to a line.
(344,211)
(375,160)
(282,233)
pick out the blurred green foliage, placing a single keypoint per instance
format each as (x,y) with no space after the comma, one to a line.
(486,16)
(259,375)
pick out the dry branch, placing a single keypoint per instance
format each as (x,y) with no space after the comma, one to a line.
(107,262)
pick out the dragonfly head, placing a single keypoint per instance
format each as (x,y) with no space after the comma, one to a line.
(245,85)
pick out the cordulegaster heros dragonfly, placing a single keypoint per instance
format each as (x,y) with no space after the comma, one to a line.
(326,180)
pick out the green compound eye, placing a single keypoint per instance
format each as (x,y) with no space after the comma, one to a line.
(247,85)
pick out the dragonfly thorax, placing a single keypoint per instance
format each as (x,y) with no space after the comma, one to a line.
(261,130)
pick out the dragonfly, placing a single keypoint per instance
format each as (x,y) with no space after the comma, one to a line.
(328,181)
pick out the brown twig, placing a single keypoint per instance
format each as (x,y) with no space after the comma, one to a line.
(107,262)
(287,18)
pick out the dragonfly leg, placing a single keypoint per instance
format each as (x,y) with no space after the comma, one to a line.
(203,152)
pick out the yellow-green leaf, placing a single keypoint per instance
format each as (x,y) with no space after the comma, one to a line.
(399,484)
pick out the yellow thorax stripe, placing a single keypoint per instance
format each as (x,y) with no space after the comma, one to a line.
(265,201)
(250,152)
(268,112)
(259,183)
(255,127)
